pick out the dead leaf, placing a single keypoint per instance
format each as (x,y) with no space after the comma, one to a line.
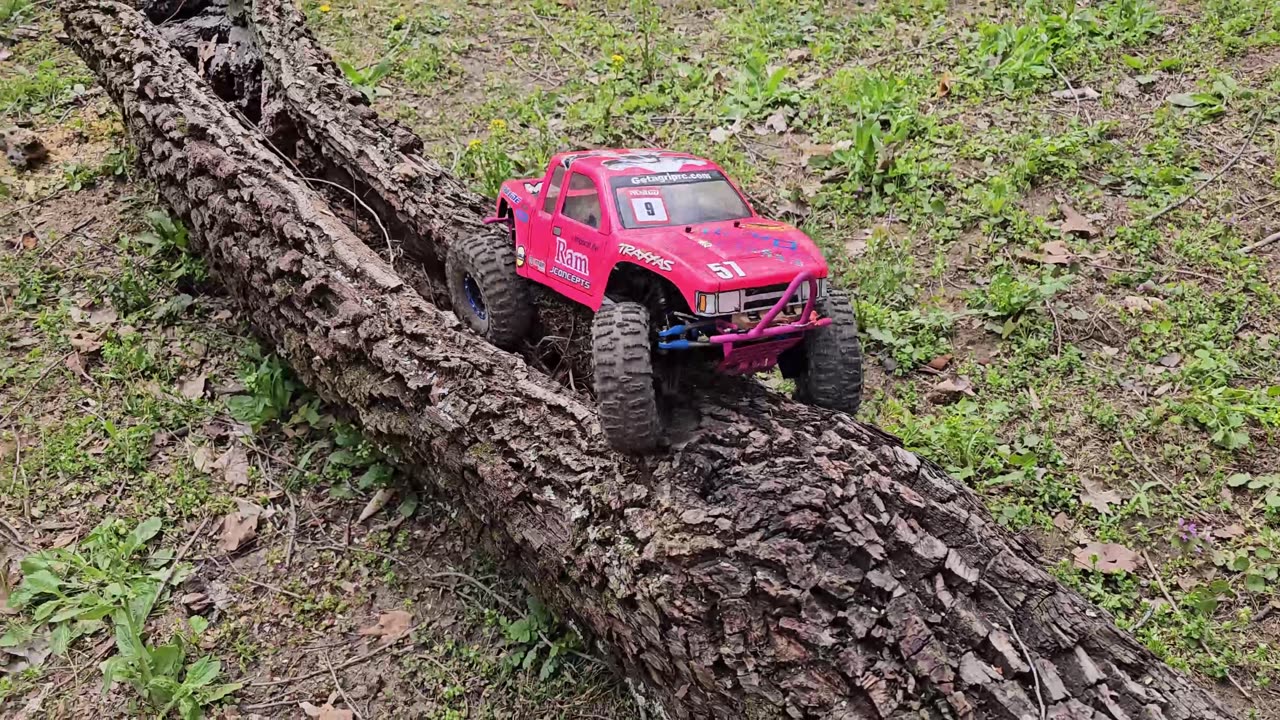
(1171,360)
(944,84)
(1073,223)
(1229,532)
(776,122)
(195,601)
(103,316)
(325,712)
(1136,304)
(239,527)
(1111,557)
(85,342)
(719,135)
(391,625)
(75,364)
(376,503)
(855,247)
(1186,584)
(1080,93)
(235,465)
(5,54)
(203,459)
(940,363)
(796,208)
(65,539)
(222,315)
(1099,497)
(1054,252)
(1062,522)
(950,390)
(1127,88)
(1034,398)
(24,655)
(193,388)
(1162,389)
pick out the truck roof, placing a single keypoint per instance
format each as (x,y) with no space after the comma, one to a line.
(607,163)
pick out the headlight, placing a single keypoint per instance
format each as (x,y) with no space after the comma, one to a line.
(723,303)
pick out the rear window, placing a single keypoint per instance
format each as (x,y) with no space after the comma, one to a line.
(676,199)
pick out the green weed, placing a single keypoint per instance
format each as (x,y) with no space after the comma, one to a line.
(113,576)
(270,389)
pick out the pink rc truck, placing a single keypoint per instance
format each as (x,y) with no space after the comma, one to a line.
(672,259)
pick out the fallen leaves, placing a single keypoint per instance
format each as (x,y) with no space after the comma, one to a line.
(1110,557)
(1229,532)
(24,655)
(193,387)
(103,316)
(202,459)
(940,363)
(776,123)
(84,341)
(1098,497)
(1139,304)
(390,625)
(235,465)
(376,503)
(951,390)
(1054,252)
(239,527)
(75,363)
(1073,223)
(1080,93)
(325,712)
(1172,360)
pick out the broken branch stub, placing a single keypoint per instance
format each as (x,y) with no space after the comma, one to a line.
(786,561)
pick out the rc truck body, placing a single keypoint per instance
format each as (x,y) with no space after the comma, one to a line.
(673,259)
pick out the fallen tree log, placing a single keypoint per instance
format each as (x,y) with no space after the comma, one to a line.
(786,561)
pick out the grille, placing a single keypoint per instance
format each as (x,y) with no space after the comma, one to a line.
(763,298)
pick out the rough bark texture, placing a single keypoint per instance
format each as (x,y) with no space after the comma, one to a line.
(786,561)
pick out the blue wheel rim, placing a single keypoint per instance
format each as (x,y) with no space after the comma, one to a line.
(474,297)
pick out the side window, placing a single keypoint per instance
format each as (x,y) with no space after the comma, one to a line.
(553,192)
(583,201)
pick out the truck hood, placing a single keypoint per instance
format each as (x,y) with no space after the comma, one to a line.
(751,239)
(767,252)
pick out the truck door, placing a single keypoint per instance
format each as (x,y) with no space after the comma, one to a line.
(579,234)
(542,243)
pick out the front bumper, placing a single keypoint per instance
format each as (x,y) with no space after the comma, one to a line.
(754,349)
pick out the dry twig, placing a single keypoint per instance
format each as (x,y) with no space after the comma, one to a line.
(1257,121)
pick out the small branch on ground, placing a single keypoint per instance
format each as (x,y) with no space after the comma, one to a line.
(1260,244)
(1257,121)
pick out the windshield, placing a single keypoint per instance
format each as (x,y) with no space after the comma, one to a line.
(676,199)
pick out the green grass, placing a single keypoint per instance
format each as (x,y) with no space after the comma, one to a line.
(934,164)
(943,169)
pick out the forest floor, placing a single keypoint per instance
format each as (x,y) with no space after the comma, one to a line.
(1043,210)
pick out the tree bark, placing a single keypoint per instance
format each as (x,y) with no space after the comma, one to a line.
(784,561)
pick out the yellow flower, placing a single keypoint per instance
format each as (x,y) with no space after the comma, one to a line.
(325,8)
(473,144)
(497,124)
(617,59)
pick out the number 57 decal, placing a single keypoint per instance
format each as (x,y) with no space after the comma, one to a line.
(726,270)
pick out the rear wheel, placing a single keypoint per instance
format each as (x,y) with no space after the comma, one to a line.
(487,293)
(622,352)
(830,372)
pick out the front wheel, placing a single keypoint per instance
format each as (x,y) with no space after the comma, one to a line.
(487,293)
(830,374)
(622,352)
